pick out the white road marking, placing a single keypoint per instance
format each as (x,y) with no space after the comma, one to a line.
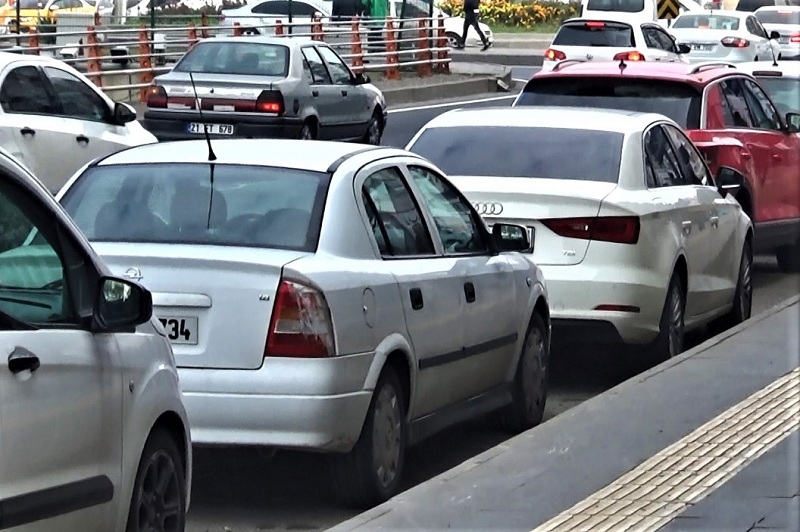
(658,490)
(450,104)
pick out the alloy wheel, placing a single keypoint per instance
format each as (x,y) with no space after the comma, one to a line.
(387,436)
(305,133)
(374,132)
(159,500)
(746,290)
(676,325)
(534,372)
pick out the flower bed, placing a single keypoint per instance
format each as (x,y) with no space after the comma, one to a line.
(516,13)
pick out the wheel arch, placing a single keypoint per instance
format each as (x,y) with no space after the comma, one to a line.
(394,351)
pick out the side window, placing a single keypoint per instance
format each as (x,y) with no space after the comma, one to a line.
(691,162)
(307,74)
(78,100)
(764,113)
(339,71)
(23,91)
(459,229)
(660,155)
(272,7)
(301,9)
(666,41)
(650,38)
(396,220)
(318,70)
(733,95)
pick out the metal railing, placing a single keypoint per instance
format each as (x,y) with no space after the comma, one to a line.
(122,59)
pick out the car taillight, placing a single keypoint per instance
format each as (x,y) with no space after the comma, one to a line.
(795,38)
(270,102)
(617,229)
(595,24)
(301,323)
(156,97)
(629,56)
(735,42)
(554,55)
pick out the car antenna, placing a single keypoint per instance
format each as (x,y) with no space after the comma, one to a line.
(211,155)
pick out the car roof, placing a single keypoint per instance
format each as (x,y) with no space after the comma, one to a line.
(7,58)
(264,39)
(646,69)
(316,156)
(611,120)
(790,69)
(715,12)
(777,8)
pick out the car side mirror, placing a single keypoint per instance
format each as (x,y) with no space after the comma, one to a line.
(774,36)
(510,237)
(123,113)
(121,305)
(728,181)
(684,49)
(362,79)
(793,122)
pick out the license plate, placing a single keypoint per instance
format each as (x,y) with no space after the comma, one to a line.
(701,47)
(784,40)
(213,129)
(180,330)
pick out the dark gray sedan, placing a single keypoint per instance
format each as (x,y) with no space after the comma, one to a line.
(265,87)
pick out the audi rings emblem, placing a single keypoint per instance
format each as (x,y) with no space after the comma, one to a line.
(490,209)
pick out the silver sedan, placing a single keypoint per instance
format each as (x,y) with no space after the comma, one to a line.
(329,297)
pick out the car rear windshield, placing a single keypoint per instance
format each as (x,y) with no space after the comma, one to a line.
(236,58)
(251,206)
(595,33)
(785,92)
(621,6)
(541,152)
(679,101)
(706,22)
(778,17)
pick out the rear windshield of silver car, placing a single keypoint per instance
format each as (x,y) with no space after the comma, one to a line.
(541,152)
(679,101)
(621,6)
(595,33)
(236,59)
(778,17)
(707,22)
(236,205)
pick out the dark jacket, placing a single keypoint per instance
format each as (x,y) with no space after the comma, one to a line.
(471,5)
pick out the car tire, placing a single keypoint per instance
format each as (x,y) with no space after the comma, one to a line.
(156,507)
(743,296)
(454,40)
(530,381)
(371,472)
(374,130)
(308,131)
(670,340)
(789,258)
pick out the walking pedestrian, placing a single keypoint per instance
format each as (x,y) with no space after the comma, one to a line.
(471,9)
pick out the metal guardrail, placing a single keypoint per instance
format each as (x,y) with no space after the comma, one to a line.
(390,46)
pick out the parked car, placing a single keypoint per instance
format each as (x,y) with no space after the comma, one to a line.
(781,81)
(257,18)
(36,12)
(90,408)
(636,240)
(261,87)
(606,40)
(54,120)
(786,21)
(733,36)
(366,303)
(725,112)
(755,5)
(453,26)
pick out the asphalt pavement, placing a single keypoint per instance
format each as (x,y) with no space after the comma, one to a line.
(252,490)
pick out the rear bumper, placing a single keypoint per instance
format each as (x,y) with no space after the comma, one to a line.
(174,126)
(305,404)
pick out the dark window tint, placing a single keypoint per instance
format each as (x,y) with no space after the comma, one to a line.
(760,107)
(232,58)
(317,66)
(752,5)
(785,92)
(339,71)
(594,33)
(679,101)
(77,99)
(523,152)
(661,158)
(692,165)
(251,206)
(623,6)
(737,115)
(779,17)
(23,91)
(711,22)
(280,7)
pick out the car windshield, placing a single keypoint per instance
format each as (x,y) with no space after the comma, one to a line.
(621,6)
(232,58)
(706,22)
(784,92)
(595,33)
(779,17)
(172,203)
(679,101)
(540,152)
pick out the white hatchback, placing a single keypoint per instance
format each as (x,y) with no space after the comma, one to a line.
(93,433)
(635,240)
(54,120)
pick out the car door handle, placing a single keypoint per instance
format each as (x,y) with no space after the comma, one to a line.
(687,227)
(82,139)
(469,291)
(746,155)
(344,92)
(776,157)
(715,221)
(28,132)
(314,93)
(416,298)
(21,359)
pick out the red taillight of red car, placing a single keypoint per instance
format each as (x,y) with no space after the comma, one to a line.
(616,229)
(301,325)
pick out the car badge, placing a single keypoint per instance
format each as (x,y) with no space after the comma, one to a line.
(589,57)
(133,273)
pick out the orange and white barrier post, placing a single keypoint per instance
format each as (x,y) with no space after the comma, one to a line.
(33,41)
(204,25)
(237,29)
(94,57)
(192,35)
(316,29)
(424,54)
(443,66)
(145,62)
(279,27)
(391,46)
(357,61)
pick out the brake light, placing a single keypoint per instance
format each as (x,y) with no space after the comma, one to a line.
(554,55)
(617,229)
(618,308)
(595,24)
(629,56)
(795,38)
(735,42)
(270,102)
(301,323)
(156,97)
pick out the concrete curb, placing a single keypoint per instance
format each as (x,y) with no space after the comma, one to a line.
(534,57)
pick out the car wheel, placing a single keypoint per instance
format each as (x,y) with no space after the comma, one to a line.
(789,258)
(159,493)
(308,132)
(370,473)
(530,382)
(672,326)
(453,40)
(374,131)
(743,297)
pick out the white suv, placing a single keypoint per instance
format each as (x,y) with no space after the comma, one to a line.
(93,433)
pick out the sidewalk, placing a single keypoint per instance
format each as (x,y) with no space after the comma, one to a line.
(707,441)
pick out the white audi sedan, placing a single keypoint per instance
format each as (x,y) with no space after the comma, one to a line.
(323,296)
(636,240)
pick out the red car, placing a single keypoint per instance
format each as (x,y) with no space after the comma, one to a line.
(724,111)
